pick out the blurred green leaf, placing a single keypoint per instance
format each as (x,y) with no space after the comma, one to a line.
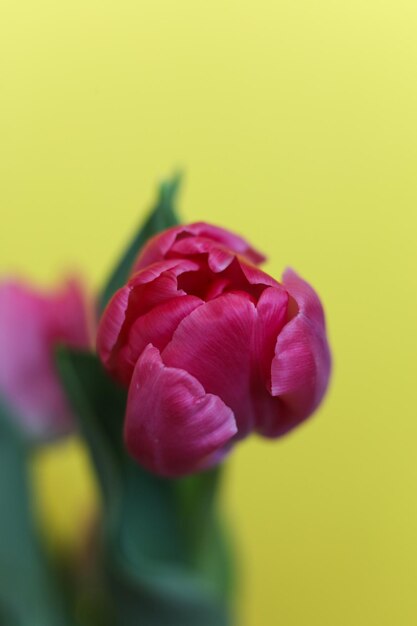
(208,543)
(165,597)
(162,216)
(164,552)
(140,508)
(28,593)
(156,572)
(99,405)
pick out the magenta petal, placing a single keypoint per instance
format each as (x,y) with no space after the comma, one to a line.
(157,284)
(69,318)
(272,417)
(159,245)
(272,310)
(216,288)
(156,247)
(228,240)
(32,324)
(219,257)
(111,323)
(214,344)
(146,290)
(305,296)
(301,368)
(173,427)
(155,327)
(301,364)
(149,273)
(255,276)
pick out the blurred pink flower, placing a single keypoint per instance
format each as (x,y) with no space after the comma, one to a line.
(32,324)
(211,348)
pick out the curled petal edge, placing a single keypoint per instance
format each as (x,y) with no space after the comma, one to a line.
(172,426)
(158,246)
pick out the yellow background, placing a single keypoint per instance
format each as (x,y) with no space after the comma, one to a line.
(296,124)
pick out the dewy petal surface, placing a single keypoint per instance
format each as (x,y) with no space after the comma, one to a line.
(173,427)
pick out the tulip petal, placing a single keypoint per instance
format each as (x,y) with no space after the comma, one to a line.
(217,287)
(300,374)
(214,344)
(255,276)
(70,315)
(155,327)
(272,308)
(244,277)
(158,246)
(307,300)
(31,325)
(145,290)
(305,340)
(229,240)
(111,323)
(150,273)
(173,427)
(218,257)
(301,363)
(300,368)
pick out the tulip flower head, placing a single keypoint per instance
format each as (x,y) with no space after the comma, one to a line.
(211,349)
(32,324)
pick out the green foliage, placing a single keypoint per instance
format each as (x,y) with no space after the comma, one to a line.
(28,594)
(164,553)
(161,217)
(157,532)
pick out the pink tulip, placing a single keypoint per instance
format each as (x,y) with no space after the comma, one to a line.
(211,348)
(32,324)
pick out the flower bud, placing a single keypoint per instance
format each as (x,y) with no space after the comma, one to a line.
(211,348)
(32,324)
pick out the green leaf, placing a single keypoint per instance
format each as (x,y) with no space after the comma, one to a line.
(208,543)
(164,553)
(162,216)
(165,597)
(140,508)
(28,594)
(155,578)
(99,405)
